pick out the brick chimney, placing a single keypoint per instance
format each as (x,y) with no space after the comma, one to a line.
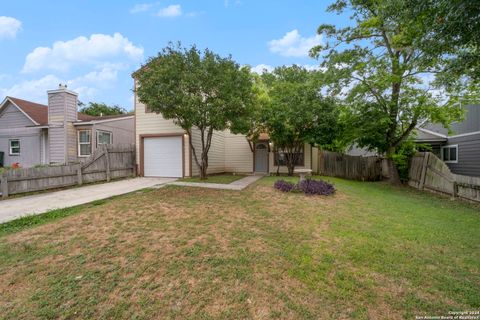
(62,113)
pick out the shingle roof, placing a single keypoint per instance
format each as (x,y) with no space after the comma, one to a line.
(39,112)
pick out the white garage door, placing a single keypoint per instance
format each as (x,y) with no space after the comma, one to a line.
(162,157)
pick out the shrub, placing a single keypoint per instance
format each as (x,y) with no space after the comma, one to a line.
(309,187)
(284,186)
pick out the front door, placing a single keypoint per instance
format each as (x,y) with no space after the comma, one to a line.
(261,157)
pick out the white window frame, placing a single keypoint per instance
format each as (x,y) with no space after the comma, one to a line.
(451,146)
(104,131)
(83,143)
(10,147)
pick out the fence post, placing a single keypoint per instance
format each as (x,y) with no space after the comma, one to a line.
(455,189)
(107,162)
(4,186)
(79,175)
(423,173)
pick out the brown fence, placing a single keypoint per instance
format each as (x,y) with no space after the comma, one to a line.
(427,172)
(106,163)
(350,167)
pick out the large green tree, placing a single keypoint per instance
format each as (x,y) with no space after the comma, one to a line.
(296,113)
(200,91)
(379,67)
(100,109)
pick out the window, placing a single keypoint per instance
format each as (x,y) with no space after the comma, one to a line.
(84,143)
(14,147)
(281,158)
(104,137)
(450,154)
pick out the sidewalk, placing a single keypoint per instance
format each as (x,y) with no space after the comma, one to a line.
(236,185)
(17,207)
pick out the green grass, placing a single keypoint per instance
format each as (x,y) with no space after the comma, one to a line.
(370,251)
(224,178)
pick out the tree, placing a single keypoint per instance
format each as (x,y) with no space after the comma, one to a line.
(100,109)
(200,91)
(384,76)
(296,113)
(451,30)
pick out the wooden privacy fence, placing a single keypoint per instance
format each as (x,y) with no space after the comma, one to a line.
(427,172)
(350,167)
(106,163)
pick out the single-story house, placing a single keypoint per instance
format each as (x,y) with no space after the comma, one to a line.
(163,150)
(33,134)
(460,150)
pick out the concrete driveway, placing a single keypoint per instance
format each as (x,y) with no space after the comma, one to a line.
(15,208)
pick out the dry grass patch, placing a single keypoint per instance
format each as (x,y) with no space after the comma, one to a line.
(257,254)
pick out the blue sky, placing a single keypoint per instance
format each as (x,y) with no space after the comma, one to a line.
(94,46)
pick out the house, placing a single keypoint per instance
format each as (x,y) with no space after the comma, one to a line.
(460,150)
(33,134)
(163,150)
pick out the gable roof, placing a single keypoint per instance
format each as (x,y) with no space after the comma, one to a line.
(38,113)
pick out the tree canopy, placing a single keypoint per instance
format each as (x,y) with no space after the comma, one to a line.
(296,113)
(380,68)
(200,91)
(100,109)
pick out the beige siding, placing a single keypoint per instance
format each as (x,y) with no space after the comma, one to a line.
(152,123)
(283,169)
(238,155)
(216,154)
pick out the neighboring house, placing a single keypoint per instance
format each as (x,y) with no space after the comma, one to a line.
(33,134)
(460,150)
(163,150)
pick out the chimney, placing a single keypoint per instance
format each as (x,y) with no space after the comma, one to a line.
(62,113)
(62,105)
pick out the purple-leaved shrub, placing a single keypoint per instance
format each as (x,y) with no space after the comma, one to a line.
(321,187)
(284,186)
(308,186)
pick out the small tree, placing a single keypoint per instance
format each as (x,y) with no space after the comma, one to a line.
(100,109)
(200,92)
(296,113)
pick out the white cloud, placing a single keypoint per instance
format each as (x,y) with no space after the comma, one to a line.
(9,27)
(142,7)
(171,11)
(294,45)
(97,49)
(228,3)
(261,68)
(87,86)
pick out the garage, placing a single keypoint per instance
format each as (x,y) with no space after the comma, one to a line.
(163,156)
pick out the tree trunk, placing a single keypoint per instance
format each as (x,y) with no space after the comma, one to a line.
(291,168)
(394,177)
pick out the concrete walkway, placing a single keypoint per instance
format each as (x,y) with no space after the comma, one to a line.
(236,185)
(17,207)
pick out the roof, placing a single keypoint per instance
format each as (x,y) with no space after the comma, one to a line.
(39,112)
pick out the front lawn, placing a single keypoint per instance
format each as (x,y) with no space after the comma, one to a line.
(371,251)
(224,178)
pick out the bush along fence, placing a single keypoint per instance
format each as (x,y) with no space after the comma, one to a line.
(106,163)
(350,167)
(427,172)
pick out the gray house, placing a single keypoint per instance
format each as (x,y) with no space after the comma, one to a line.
(460,150)
(33,134)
